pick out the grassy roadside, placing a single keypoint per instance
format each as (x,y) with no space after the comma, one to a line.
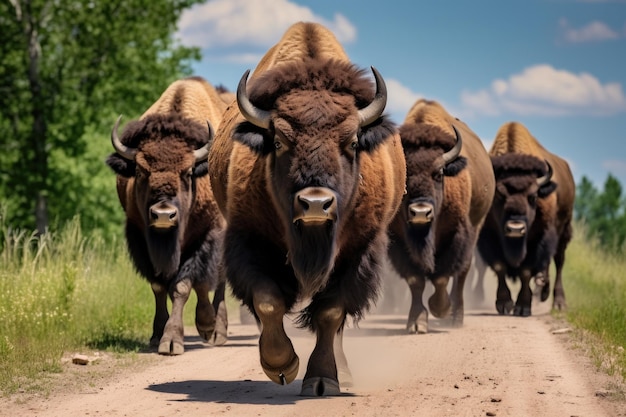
(73,293)
(595,286)
(64,293)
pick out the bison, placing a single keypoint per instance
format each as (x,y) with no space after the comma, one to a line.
(450,185)
(308,173)
(174,229)
(530,219)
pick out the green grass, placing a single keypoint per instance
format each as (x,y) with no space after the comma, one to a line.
(63,293)
(595,286)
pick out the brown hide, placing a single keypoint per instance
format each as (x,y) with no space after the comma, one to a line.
(238,173)
(474,189)
(192,98)
(174,229)
(515,137)
(314,140)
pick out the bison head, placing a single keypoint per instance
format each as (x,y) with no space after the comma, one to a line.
(159,158)
(521,180)
(431,155)
(310,122)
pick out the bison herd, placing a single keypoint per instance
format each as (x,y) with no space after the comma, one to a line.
(296,191)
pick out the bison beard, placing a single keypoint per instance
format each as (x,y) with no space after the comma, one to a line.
(422,248)
(514,250)
(164,251)
(312,255)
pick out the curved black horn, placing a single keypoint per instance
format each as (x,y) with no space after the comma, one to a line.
(372,112)
(126,151)
(546,178)
(203,153)
(254,115)
(456,149)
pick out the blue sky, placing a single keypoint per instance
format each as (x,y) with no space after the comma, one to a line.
(557,66)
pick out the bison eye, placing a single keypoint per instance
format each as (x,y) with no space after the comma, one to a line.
(532,199)
(277,145)
(354,145)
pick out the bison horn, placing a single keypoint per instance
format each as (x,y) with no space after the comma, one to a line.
(203,153)
(372,112)
(456,149)
(126,151)
(546,178)
(253,114)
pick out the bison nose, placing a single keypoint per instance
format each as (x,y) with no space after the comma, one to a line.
(515,228)
(315,205)
(421,213)
(163,215)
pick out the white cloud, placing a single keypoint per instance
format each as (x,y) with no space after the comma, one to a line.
(400,99)
(544,90)
(261,23)
(593,32)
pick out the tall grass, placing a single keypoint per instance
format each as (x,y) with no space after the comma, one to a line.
(595,285)
(64,292)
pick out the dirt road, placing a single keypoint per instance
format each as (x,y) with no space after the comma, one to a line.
(493,366)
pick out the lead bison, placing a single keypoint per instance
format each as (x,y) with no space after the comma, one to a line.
(450,185)
(530,219)
(309,175)
(174,229)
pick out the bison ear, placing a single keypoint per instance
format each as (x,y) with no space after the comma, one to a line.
(455,167)
(376,133)
(546,189)
(201,169)
(122,166)
(252,136)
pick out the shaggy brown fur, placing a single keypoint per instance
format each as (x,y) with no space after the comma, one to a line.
(164,173)
(553,212)
(314,140)
(459,193)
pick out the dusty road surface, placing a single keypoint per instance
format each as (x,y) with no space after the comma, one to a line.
(493,366)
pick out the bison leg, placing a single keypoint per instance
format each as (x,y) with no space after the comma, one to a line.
(480,266)
(343,370)
(525,296)
(205,313)
(439,302)
(220,335)
(542,285)
(160,314)
(321,374)
(458,309)
(278,358)
(504,302)
(558,302)
(418,315)
(172,342)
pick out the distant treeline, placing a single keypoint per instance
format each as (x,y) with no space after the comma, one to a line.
(603,212)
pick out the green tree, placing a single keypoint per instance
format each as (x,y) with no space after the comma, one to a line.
(586,195)
(603,212)
(67,68)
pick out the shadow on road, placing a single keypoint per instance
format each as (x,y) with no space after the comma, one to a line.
(236,392)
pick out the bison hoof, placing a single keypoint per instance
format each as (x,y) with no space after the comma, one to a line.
(220,335)
(504,307)
(522,311)
(559,303)
(319,387)
(282,375)
(171,348)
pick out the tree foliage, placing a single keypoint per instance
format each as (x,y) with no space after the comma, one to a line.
(67,69)
(604,212)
